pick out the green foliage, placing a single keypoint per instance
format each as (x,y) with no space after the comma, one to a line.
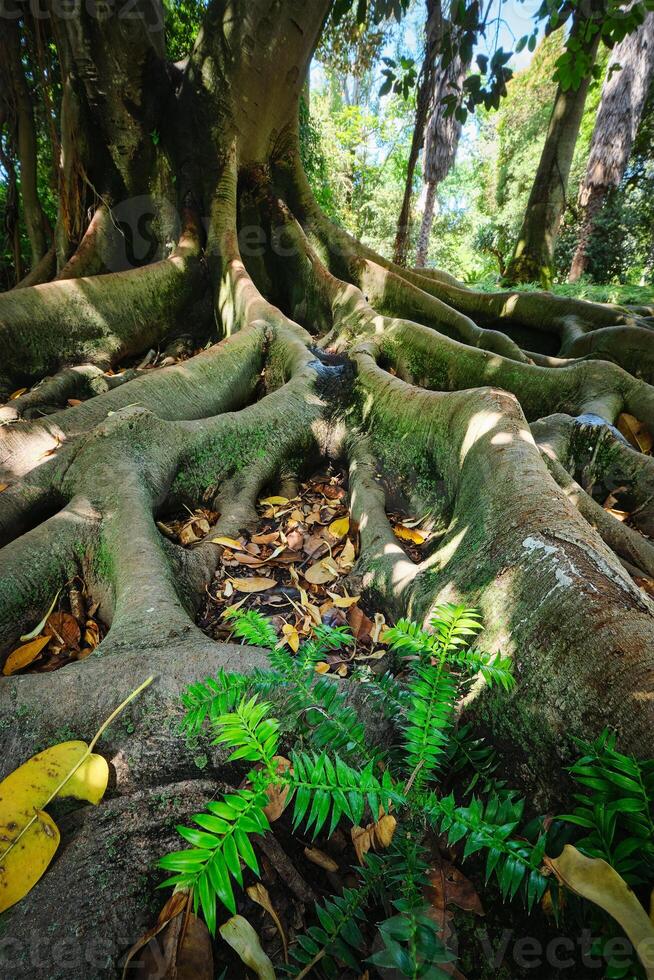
(615,808)
(343,778)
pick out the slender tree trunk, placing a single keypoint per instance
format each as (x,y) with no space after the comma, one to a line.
(441,143)
(424,97)
(320,348)
(533,256)
(13,75)
(623,97)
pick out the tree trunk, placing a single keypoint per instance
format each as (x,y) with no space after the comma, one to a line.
(424,396)
(533,256)
(623,97)
(424,97)
(18,96)
(441,143)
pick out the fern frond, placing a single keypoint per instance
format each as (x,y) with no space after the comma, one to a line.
(214,696)
(338,937)
(464,751)
(411,942)
(321,785)
(429,717)
(453,625)
(409,639)
(251,734)
(253,627)
(489,826)
(217,849)
(494,668)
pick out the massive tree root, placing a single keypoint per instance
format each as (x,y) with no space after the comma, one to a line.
(423,389)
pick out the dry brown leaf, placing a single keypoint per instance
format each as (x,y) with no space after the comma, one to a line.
(187,534)
(228,543)
(360,624)
(24,655)
(92,634)
(259,894)
(449,886)
(3,486)
(17,393)
(346,557)
(277,794)
(316,856)
(375,836)
(265,538)
(73,402)
(343,601)
(409,534)
(635,432)
(255,584)
(322,571)
(64,628)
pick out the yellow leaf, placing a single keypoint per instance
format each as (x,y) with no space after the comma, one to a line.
(24,655)
(240,935)
(340,527)
(343,601)
(39,629)
(601,884)
(274,501)
(28,836)
(3,486)
(346,557)
(292,637)
(321,668)
(17,393)
(228,543)
(409,534)
(255,584)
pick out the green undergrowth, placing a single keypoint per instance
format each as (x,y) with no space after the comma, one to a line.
(432,779)
(619,293)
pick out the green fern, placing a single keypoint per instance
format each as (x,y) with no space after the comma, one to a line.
(215,696)
(252,627)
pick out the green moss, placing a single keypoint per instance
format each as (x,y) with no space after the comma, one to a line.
(103,562)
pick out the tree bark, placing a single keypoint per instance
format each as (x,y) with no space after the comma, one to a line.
(623,97)
(441,142)
(431,399)
(13,75)
(424,99)
(533,256)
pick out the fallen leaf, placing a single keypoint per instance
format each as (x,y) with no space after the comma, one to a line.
(316,856)
(343,601)
(635,432)
(598,882)
(187,534)
(449,886)
(65,628)
(321,668)
(73,402)
(17,393)
(277,794)
(265,538)
(29,836)
(291,636)
(24,655)
(375,835)
(409,534)
(323,571)
(274,501)
(346,557)
(92,634)
(260,895)
(359,623)
(228,543)
(175,905)
(239,934)
(254,584)
(39,629)
(3,486)
(340,527)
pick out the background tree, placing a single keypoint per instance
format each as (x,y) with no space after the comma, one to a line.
(624,94)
